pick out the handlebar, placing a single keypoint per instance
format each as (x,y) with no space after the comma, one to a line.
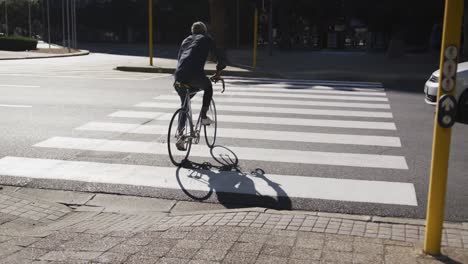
(216,79)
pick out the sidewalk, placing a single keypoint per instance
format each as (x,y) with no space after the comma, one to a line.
(329,65)
(42,52)
(46,226)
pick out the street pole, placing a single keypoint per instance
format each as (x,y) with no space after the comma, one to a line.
(48,23)
(6,17)
(73,23)
(254,64)
(68,24)
(76,27)
(237,24)
(29,18)
(270,30)
(150,21)
(63,23)
(444,120)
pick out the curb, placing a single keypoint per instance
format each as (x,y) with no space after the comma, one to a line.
(81,53)
(155,69)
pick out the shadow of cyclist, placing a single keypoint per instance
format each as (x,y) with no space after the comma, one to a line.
(232,186)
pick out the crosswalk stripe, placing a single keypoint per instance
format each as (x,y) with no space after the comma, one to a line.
(268,120)
(253,134)
(381,192)
(299,90)
(299,82)
(276,110)
(232,100)
(138,114)
(259,154)
(310,96)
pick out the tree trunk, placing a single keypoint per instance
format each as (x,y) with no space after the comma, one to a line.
(217,23)
(464,48)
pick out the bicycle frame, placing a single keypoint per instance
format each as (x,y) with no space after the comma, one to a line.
(188,105)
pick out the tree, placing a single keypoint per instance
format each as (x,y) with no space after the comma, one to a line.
(217,22)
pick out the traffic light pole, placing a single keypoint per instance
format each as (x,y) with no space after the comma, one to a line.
(444,120)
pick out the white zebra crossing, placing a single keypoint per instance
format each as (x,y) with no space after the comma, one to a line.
(233,100)
(163,177)
(368,100)
(275,110)
(244,153)
(224,132)
(268,120)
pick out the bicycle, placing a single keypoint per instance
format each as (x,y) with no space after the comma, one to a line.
(189,133)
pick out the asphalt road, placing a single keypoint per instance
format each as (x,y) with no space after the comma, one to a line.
(69,111)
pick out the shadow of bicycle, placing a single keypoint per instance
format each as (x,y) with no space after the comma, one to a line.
(232,186)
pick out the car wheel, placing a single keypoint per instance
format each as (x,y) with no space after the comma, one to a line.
(462,114)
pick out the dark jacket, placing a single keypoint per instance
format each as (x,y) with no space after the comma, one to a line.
(192,57)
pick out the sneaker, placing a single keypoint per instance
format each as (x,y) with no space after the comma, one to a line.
(206,121)
(180,144)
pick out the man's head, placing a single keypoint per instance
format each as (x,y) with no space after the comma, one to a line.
(199,28)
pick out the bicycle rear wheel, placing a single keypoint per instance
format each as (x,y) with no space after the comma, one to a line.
(210,131)
(178,157)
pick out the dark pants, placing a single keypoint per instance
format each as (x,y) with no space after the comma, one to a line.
(199,84)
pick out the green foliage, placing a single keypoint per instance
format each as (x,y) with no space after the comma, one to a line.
(17,43)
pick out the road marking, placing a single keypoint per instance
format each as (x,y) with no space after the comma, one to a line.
(381,192)
(74,77)
(15,106)
(310,96)
(224,132)
(259,154)
(23,86)
(268,120)
(231,100)
(276,110)
(303,90)
(301,81)
(139,114)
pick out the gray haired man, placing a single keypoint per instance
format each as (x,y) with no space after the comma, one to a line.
(190,72)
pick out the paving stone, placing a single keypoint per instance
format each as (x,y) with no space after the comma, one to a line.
(66,255)
(364,258)
(210,254)
(112,257)
(189,244)
(8,249)
(309,243)
(174,235)
(218,245)
(184,253)
(126,249)
(401,255)
(26,255)
(284,233)
(137,259)
(199,235)
(251,247)
(236,257)
(267,259)
(247,237)
(302,261)
(199,261)
(154,251)
(225,236)
(49,243)
(368,248)
(337,257)
(305,253)
(164,242)
(257,230)
(278,251)
(279,240)
(166,260)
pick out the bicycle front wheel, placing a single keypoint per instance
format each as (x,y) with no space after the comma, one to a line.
(210,130)
(179,141)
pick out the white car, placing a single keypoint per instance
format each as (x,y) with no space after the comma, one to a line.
(430,90)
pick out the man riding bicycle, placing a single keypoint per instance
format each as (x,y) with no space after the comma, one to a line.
(190,75)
